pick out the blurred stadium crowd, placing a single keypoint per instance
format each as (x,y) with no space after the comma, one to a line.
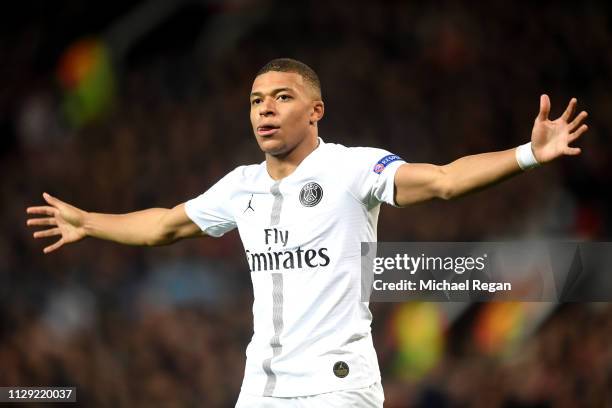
(431,82)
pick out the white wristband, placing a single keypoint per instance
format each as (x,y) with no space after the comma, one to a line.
(525,157)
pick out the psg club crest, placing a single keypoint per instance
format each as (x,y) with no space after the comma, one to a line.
(341,369)
(311,194)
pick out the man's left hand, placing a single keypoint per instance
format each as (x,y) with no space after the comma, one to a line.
(551,139)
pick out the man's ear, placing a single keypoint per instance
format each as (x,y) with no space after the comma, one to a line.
(318,110)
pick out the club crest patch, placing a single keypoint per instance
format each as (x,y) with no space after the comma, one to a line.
(311,194)
(382,163)
(341,369)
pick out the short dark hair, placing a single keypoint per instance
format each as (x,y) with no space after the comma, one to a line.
(294,66)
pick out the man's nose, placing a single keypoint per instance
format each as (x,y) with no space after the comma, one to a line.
(267,107)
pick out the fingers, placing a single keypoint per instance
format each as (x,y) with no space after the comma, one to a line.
(544,108)
(572,151)
(51,200)
(53,247)
(41,221)
(42,210)
(577,133)
(50,209)
(47,233)
(569,111)
(578,120)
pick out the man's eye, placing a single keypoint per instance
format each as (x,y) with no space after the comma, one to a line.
(255,101)
(284,97)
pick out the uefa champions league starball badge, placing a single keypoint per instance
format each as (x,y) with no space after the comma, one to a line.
(311,194)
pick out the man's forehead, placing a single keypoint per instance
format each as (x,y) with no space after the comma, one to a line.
(274,80)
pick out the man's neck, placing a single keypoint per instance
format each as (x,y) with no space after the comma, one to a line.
(280,167)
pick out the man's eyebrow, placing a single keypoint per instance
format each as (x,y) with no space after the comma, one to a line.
(274,91)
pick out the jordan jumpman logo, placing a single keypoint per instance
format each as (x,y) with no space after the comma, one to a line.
(249,206)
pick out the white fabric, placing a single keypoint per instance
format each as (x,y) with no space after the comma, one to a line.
(305,265)
(368,397)
(525,157)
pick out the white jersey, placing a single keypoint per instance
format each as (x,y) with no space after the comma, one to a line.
(302,237)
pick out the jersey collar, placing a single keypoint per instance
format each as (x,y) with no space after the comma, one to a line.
(300,166)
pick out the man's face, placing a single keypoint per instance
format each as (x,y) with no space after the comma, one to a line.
(283,111)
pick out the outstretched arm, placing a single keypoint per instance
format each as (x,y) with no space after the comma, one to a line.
(155,226)
(550,139)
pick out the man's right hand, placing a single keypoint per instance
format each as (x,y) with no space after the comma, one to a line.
(60,219)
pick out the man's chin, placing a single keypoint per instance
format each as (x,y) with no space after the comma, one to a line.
(272,147)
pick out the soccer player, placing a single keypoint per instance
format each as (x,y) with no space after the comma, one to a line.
(302,214)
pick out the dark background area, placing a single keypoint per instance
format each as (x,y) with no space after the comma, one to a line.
(431,82)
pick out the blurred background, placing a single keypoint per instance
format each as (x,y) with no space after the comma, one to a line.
(118,106)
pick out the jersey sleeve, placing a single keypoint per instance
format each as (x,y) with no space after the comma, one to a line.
(212,211)
(372,175)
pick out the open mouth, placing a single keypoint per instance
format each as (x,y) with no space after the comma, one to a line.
(267,130)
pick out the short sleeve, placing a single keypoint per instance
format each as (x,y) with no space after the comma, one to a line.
(212,210)
(372,175)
